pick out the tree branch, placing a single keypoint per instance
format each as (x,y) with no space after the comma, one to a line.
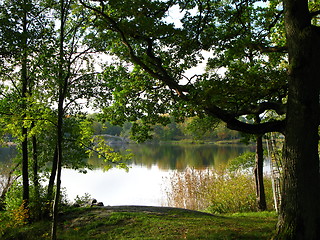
(234,124)
(164,76)
(314,14)
(265,49)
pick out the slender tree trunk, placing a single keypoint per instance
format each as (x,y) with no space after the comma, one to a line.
(52,175)
(59,166)
(300,210)
(51,183)
(24,130)
(36,183)
(25,166)
(258,173)
(35,161)
(63,84)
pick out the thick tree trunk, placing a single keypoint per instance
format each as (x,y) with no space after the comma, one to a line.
(258,173)
(299,212)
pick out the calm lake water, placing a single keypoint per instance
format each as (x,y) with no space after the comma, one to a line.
(145,182)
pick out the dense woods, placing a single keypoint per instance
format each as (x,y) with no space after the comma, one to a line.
(261,76)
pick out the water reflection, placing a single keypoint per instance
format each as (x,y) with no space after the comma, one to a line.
(144,183)
(180,156)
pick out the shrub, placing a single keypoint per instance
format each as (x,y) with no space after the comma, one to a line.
(13,198)
(245,162)
(14,218)
(83,200)
(38,204)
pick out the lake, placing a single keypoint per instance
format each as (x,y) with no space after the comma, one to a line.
(145,182)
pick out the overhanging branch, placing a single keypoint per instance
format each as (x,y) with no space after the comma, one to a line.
(234,124)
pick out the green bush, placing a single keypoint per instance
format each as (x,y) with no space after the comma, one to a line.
(244,162)
(38,203)
(83,200)
(13,199)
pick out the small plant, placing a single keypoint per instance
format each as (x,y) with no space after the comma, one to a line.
(21,215)
(83,200)
(4,222)
(14,218)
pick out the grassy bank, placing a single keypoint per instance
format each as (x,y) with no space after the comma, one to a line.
(149,223)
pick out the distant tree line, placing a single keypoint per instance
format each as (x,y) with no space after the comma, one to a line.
(192,128)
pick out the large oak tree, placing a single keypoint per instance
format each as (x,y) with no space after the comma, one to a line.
(270,56)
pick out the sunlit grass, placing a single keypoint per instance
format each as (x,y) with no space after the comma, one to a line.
(99,223)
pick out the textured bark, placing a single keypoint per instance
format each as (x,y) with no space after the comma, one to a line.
(299,212)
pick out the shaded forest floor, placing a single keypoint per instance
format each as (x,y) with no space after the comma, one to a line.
(140,222)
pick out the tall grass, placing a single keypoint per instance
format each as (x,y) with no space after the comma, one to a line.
(217,191)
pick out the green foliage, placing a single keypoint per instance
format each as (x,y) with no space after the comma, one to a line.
(4,220)
(193,128)
(82,200)
(13,219)
(244,162)
(134,98)
(108,155)
(38,201)
(77,140)
(150,78)
(147,90)
(13,198)
(198,128)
